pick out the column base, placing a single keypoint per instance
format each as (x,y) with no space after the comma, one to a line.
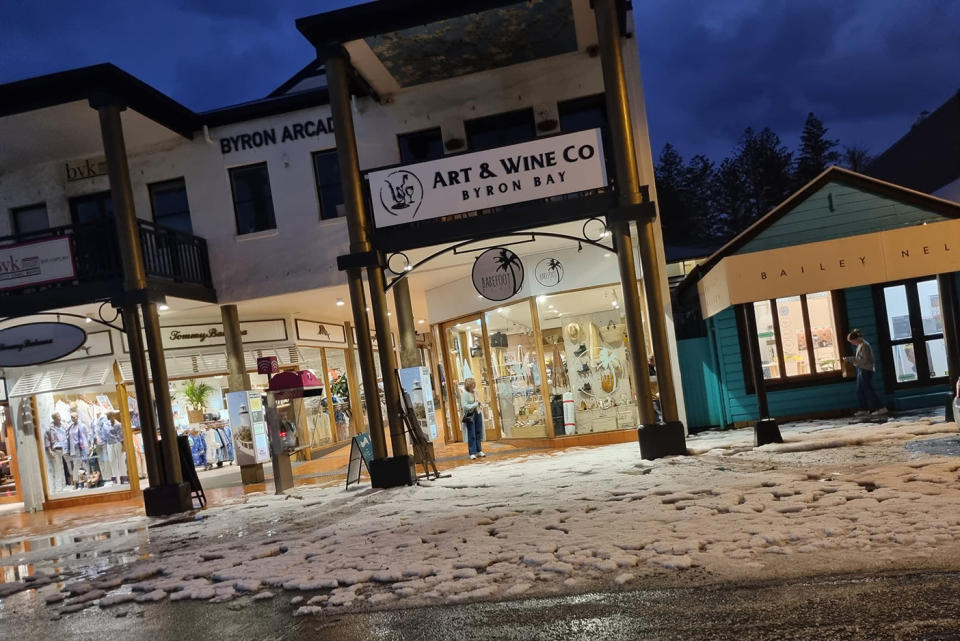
(661,439)
(392,471)
(250,474)
(282,472)
(767,431)
(167,499)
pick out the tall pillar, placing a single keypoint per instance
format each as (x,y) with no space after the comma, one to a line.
(388,360)
(141,383)
(358,230)
(766,429)
(946,283)
(161,394)
(628,186)
(409,354)
(170,494)
(237,377)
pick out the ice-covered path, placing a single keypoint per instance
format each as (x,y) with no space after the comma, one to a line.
(831,498)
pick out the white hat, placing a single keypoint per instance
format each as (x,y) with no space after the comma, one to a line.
(573,332)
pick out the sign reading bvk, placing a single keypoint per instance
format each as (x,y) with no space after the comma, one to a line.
(542,168)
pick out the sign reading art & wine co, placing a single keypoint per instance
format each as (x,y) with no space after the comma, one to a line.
(541,168)
(497,274)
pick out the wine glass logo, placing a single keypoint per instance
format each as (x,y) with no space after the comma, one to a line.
(401,192)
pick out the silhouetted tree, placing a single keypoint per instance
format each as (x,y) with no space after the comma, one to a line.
(683,192)
(855,158)
(816,151)
(753,181)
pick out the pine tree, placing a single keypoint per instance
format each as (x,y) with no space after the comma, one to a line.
(817,152)
(684,194)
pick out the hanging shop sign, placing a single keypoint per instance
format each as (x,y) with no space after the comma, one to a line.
(541,168)
(549,272)
(865,259)
(317,332)
(497,274)
(35,343)
(36,263)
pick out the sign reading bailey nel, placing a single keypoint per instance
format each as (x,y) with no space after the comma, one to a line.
(36,263)
(532,170)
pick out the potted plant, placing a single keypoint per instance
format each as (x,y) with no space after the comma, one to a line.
(196,395)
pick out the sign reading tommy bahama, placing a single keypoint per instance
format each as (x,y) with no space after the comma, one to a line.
(36,263)
(204,335)
(35,343)
(532,170)
(497,274)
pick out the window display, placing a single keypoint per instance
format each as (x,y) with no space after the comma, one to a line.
(9,492)
(83,445)
(586,360)
(516,370)
(468,361)
(797,336)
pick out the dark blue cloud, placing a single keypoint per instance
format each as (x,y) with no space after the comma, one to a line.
(866,67)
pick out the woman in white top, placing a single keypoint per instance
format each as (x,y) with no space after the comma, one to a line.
(472,418)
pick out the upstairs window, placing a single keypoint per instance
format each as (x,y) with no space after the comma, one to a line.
(420,146)
(29,219)
(169,202)
(91,208)
(326,168)
(500,130)
(252,200)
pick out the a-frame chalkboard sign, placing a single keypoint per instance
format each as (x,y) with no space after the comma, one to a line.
(361,454)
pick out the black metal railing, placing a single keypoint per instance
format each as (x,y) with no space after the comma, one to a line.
(168,254)
(174,255)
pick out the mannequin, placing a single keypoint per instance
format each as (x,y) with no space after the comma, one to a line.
(55,443)
(115,444)
(78,448)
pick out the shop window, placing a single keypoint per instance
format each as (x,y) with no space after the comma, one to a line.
(586,361)
(420,146)
(30,219)
(588,112)
(500,130)
(170,207)
(252,200)
(797,338)
(326,168)
(516,370)
(91,208)
(913,346)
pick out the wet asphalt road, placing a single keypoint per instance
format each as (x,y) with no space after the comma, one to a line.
(913,606)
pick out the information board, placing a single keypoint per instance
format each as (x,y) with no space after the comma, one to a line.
(361,454)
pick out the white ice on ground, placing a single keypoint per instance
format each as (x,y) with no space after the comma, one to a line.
(830,498)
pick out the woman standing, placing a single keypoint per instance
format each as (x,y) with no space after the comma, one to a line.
(472,418)
(865,364)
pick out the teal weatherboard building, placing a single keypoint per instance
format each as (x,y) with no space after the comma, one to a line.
(845,251)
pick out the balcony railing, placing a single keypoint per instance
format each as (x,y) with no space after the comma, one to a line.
(168,254)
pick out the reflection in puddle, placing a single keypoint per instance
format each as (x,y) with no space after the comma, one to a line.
(105,557)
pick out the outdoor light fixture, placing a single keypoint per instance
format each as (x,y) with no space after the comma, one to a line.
(88,320)
(607,255)
(541,298)
(421,321)
(340,303)
(163,308)
(389,313)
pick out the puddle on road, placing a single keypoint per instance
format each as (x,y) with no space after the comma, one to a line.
(947,446)
(15,551)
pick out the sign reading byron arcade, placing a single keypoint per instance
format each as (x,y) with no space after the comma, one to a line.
(542,168)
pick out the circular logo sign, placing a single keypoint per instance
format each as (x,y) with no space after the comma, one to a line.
(35,343)
(401,193)
(497,274)
(549,272)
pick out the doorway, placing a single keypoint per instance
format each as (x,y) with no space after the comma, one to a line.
(915,352)
(467,356)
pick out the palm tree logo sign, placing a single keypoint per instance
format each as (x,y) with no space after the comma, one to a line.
(401,193)
(549,272)
(497,274)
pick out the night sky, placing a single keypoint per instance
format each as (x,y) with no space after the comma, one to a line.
(868,68)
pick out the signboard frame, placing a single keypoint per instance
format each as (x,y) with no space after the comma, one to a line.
(63,252)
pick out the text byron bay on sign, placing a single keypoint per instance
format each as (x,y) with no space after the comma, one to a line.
(527,171)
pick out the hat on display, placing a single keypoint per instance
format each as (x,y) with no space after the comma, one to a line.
(573,331)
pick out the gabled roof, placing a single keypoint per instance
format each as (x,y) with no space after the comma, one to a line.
(836,175)
(928,156)
(94,82)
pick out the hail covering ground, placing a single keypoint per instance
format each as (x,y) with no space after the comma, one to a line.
(832,498)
